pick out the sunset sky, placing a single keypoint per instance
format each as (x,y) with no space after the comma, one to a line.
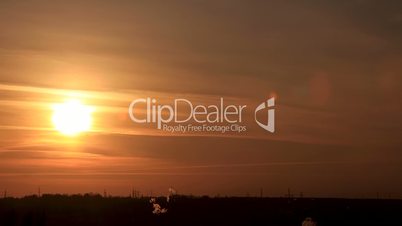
(335,69)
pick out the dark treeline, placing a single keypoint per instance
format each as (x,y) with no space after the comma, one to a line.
(91,209)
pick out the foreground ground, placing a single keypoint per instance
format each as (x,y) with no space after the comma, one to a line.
(95,210)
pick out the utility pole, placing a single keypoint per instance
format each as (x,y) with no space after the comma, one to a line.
(135,193)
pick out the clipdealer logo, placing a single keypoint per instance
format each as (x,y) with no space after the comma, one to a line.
(269,105)
(183,116)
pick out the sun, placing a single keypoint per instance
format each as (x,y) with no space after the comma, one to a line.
(72,117)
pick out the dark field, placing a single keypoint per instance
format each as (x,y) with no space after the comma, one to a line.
(96,210)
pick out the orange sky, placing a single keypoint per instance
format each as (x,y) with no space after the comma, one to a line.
(335,69)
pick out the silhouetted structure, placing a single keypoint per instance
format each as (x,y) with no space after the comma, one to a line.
(93,209)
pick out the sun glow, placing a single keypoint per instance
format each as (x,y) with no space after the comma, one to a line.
(72,117)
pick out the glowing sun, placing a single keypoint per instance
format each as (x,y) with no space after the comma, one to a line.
(72,117)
